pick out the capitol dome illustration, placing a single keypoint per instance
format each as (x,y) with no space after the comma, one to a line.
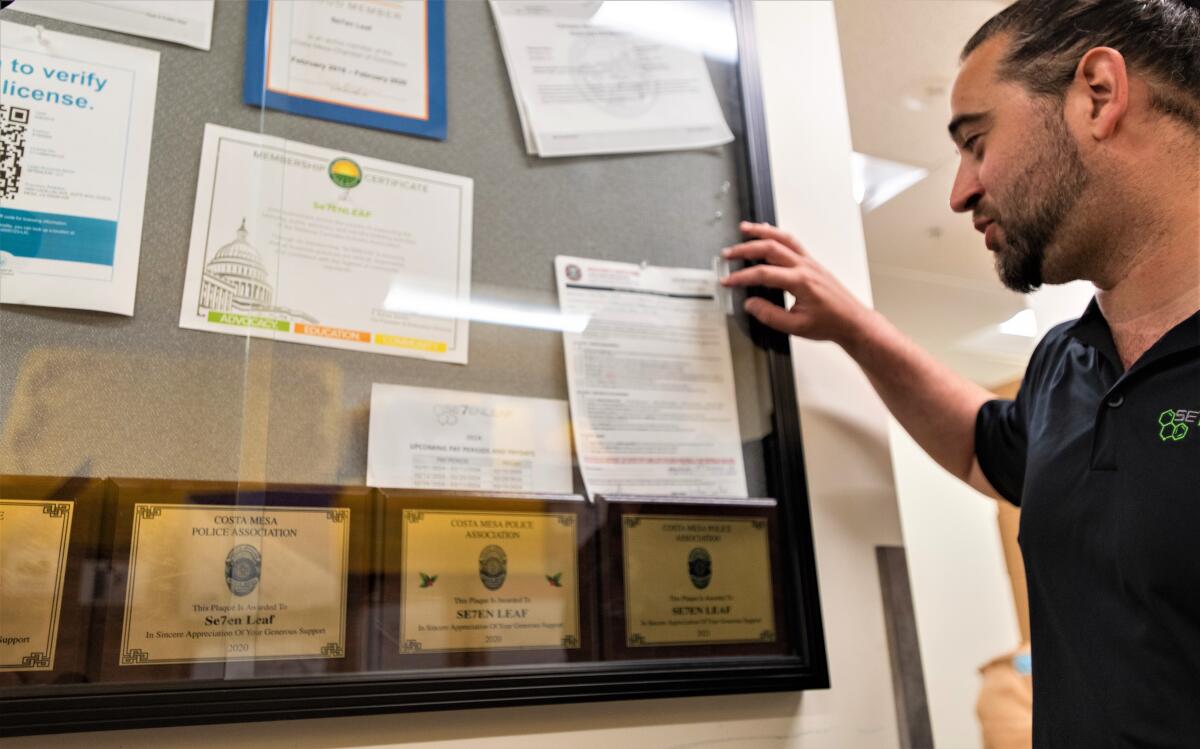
(235,277)
(235,280)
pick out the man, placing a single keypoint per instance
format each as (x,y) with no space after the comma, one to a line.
(1078,128)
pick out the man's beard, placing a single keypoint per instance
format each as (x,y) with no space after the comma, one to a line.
(1038,203)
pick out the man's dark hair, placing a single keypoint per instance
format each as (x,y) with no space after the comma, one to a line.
(1159,39)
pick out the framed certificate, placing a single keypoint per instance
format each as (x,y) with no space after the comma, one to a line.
(696,576)
(228,581)
(379,64)
(48,565)
(353,255)
(484,579)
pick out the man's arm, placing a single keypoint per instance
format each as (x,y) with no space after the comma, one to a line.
(934,404)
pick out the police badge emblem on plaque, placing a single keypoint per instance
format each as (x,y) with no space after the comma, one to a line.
(700,567)
(493,567)
(243,567)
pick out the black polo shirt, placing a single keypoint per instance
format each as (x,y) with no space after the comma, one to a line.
(1105,465)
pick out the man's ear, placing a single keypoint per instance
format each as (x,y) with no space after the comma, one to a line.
(1101,91)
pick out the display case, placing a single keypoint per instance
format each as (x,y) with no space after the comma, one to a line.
(366,356)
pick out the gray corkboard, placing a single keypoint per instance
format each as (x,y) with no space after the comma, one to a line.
(92,394)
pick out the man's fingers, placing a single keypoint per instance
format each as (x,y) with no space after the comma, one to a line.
(762,249)
(766,231)
(771,315)
(771,276)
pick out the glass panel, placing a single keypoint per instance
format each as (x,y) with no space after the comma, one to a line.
(258,486)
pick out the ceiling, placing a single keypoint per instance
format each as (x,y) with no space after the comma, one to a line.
(930,272)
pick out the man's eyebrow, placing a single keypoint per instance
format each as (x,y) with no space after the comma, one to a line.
(965,119)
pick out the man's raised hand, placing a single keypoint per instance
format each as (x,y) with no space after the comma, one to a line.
(823,310)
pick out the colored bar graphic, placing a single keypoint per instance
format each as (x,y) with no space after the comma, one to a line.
(55,236)
(322,331)
(249,321)
(417,344)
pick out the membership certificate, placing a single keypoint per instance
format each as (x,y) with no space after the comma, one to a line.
(310,245)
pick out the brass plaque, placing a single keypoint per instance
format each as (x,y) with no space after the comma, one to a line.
(34,537)
(697,580)
(488,581)
(234,583)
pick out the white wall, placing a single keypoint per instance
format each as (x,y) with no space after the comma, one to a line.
(844,423)
(850,479)
(961,593)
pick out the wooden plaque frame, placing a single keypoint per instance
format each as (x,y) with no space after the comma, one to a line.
(125,493)
(388,600)
(614,509)
(84,566)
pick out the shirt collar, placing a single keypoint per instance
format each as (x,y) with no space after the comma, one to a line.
(1183,337)
(1090,322)
(1092,329)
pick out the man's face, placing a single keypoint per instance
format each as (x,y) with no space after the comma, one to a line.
(1020,172)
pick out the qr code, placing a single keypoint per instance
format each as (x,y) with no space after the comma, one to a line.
(13,121)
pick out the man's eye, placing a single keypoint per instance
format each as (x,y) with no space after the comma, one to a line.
(969,143)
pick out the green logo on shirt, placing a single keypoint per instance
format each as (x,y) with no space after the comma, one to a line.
(1173,424)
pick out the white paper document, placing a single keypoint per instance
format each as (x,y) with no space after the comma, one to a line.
(187,22)
(650,379)
(448,439)
(312,245)
(586,87)
(76,117)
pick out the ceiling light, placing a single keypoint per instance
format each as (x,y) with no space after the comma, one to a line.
(876,181)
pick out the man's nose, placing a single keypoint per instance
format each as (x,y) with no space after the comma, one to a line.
(967,191)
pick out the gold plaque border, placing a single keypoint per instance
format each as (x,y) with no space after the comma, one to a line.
(413,647)
(149,511)
(43,660)
(635,640)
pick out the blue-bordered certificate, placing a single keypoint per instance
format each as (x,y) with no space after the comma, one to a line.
(379,64)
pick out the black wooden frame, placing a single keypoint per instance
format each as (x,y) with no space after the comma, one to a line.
(81,707)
